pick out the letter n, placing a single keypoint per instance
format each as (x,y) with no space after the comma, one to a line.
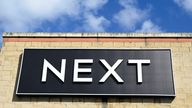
(60,75)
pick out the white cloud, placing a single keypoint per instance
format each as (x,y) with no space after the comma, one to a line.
(131,17)
(128,3)
(27,15)
(186,4)
(93,4)
(149,26)
(94,23)
(48,8)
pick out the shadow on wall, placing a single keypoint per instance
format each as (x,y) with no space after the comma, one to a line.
(95,99)
(1,40)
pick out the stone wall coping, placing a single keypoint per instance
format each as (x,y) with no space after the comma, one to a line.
(90,35)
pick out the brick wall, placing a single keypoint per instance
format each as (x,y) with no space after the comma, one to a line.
(14,44)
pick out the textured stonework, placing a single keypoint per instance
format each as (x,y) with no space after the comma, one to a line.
(42,34)
(9,67)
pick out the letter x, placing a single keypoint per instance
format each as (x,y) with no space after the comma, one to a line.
(111,70)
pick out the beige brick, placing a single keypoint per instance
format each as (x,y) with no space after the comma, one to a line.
(149,44)
(28,44)
(140,44)
(19,44)
(162,44)
(6,44)
(54,44)
(20,49)
(175,44)
(175,49)
(66,44)
(11,48)
(1,105)
(129,44)
(27,105)
(185,49)
(182,68)
(8,105)
(186,44)
(118,44)
(36,44)
(45,44)
(97,44)
(108,44)
(76,44)
(86,44)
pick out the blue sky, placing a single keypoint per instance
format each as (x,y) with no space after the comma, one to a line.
(95,16)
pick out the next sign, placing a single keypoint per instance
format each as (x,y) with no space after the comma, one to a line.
(77,70)
(101,72)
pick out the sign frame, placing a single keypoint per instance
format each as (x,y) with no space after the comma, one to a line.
(87,94)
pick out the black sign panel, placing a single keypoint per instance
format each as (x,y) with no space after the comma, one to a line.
(106,72)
